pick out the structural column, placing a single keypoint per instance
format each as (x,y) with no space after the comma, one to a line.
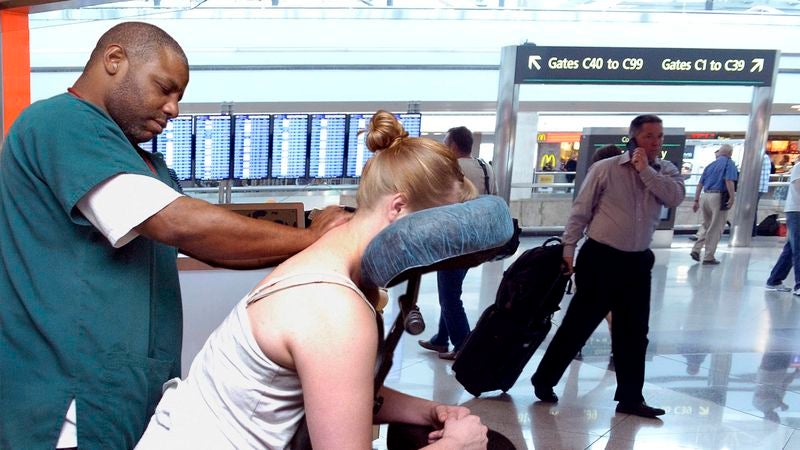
(15,66)
(505,130)
(754,143)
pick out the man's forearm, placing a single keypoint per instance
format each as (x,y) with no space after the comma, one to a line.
(208,232)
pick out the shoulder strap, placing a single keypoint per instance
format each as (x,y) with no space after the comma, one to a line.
(485,176)
(302,279)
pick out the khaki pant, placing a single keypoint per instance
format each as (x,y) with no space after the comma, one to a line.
(713,223)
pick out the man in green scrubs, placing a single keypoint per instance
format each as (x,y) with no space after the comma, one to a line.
(90,307)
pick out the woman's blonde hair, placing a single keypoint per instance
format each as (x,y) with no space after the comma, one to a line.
(426,171)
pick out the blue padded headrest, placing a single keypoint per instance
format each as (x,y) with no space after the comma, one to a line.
(437,235)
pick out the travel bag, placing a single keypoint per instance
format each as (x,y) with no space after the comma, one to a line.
(510,330)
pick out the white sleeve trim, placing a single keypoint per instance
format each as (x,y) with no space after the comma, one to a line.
(119,204)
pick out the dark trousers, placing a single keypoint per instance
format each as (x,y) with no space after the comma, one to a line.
(453,324)
(606,280)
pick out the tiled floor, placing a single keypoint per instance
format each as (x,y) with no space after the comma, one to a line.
(723,360)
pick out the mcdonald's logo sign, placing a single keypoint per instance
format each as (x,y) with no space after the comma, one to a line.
(548,159)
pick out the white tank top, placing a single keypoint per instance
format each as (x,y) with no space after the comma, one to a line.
(234,396)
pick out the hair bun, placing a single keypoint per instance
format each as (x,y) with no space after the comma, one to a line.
(384,131)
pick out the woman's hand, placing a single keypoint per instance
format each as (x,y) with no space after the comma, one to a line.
(467,433)
(440,413)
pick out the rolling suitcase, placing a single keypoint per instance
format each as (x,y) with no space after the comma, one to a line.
(510,330)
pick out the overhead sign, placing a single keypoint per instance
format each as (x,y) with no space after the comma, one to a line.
(612,65)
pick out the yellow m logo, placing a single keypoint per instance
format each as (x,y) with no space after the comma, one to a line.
(548,159)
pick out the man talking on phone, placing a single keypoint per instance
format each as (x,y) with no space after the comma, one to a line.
(618,206)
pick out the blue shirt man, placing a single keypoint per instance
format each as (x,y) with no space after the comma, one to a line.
(717,180)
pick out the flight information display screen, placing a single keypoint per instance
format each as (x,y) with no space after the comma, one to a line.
(412,122)
(251,146)
(357,152)
(289,145)
(326,158)
(212,147)
(175,143)
(147,146)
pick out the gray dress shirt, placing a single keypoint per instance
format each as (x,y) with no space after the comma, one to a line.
(619,206)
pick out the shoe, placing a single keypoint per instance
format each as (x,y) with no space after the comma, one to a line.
(450,356)
(428,345)
(695,256)
(777,287)
(545,394)
(711,262)
(796,292)
(692,238)
(639,409)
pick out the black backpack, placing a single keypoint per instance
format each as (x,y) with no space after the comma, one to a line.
(768,226)
(533,285)
(510,330)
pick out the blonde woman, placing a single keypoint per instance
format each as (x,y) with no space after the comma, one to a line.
(304,341)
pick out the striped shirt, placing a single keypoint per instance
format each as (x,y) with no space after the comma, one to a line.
(621,207)
(766,167)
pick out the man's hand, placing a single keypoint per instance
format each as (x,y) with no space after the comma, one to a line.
(730,202)
(695,205)
(566,267)
(639,159)
(328,218)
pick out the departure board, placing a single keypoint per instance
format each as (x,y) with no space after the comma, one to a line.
(212,147)
(357,151)
(412,122)
(327,145)
(147,146)
(251,146)
(175,143)
(289,145)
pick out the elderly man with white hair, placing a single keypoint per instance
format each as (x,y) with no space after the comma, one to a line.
(718,190)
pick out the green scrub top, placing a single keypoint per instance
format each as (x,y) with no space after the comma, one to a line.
(78,318)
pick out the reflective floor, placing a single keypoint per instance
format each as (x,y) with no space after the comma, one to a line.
(723,360)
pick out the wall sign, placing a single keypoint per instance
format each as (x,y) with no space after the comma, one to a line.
(612,65)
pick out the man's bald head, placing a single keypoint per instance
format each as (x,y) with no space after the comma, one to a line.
(141,42)
(725,150)
(137,73)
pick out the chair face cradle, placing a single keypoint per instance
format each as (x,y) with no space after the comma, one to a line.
(458,235)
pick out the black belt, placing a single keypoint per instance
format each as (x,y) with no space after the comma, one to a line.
(714,191)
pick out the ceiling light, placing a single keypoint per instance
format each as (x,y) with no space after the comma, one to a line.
(717,110)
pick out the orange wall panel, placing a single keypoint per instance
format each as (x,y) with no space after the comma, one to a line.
(16,65)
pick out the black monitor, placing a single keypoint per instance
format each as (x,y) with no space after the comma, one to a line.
(251,146)
(212,147)
(147,145)
(289,146)
(357,151)
(175,143)
(326,157)
(412,122)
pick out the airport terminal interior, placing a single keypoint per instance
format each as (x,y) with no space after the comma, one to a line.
(280,89)
(723,361)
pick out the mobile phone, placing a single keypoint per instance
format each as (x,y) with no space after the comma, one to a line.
(631,145)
